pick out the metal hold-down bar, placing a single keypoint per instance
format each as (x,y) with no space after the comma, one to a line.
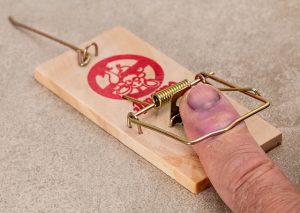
(83,57)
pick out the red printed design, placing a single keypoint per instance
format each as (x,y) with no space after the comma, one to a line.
(131,75)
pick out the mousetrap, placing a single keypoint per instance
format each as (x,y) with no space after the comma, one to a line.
(124,81)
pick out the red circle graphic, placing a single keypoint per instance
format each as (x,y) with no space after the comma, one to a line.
(131,75)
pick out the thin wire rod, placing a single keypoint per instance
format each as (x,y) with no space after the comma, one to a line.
(18,24)
(134,100)
(83,57)
(254,94)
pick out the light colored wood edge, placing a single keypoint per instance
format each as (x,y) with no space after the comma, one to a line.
(154,159)
(193,186)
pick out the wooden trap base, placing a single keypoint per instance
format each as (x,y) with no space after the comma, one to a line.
(128,65)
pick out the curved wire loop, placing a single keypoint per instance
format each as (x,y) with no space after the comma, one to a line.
(84,56)
(201,77)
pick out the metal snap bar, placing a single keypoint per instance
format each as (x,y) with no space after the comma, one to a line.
(172,93)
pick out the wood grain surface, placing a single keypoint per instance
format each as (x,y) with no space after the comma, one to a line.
(66,79)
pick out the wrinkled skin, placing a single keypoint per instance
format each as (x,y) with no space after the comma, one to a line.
(242,174)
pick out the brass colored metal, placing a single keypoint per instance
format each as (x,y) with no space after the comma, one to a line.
(135,100)
(164,96)
(83,57)
(172,93)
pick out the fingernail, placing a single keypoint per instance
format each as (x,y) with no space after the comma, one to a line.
(203,97)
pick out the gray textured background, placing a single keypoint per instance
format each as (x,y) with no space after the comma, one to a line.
(53,159)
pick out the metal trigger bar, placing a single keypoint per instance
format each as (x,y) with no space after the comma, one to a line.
(83,57)
(172,93)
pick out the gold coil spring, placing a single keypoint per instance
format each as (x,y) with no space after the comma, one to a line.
(164,96)
(174,92)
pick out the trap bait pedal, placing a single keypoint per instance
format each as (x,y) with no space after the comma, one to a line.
(127,66)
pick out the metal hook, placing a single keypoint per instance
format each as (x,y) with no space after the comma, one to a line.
(84,56)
